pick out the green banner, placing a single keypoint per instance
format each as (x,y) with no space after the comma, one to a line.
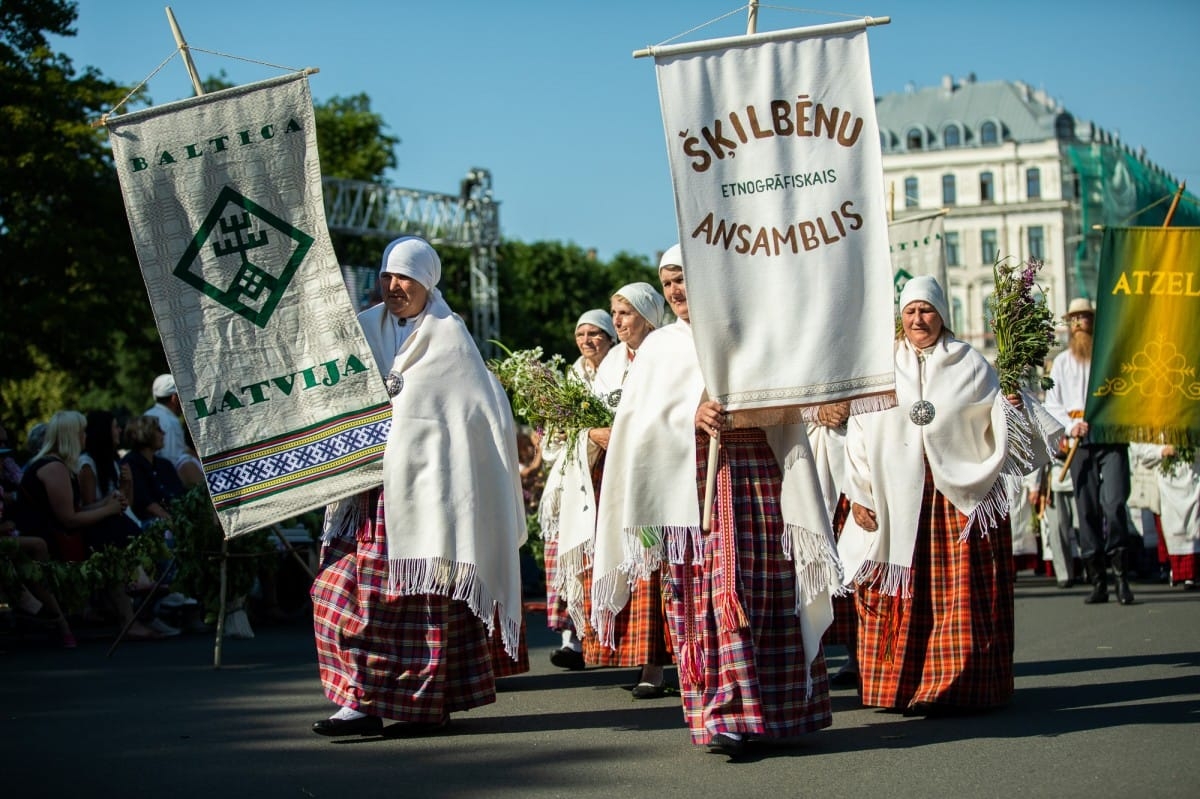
(1144,384)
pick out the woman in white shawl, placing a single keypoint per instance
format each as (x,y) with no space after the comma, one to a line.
(415,577)
(748,602)
(638,634)
(567,511)
(927,545)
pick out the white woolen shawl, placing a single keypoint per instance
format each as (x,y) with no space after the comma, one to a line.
(648,493)
(975,438)
(828,445)
(567,511)
(1179,495)
(452,486)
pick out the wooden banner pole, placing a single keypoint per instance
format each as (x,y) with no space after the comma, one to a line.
(187,54)
(1174,204)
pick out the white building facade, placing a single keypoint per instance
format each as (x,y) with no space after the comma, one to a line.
(1019,178)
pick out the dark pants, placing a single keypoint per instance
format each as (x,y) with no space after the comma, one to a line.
(1100,473)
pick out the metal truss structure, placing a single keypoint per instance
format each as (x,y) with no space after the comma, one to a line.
(470,220)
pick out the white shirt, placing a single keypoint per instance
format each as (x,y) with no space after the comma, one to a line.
(1069,393)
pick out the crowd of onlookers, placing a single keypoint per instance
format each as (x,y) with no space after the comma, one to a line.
(82,483)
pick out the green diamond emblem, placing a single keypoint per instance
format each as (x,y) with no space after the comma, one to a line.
(243,256)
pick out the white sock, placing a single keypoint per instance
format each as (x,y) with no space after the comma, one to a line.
(347,714)
(571,641)
(737,736)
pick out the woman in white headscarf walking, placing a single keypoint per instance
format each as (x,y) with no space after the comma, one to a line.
(415,576)
(927,546)
(639,636)
(567,511)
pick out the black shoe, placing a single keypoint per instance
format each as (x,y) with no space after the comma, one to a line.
(1124,594)
(1098,596)
(1067,584)
(645,690)
(722,744)
(367,725)
(567,658)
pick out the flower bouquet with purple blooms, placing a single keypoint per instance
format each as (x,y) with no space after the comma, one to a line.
(547,395)
(1021,322)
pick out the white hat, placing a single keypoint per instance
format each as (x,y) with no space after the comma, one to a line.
(413,257)
(164,386)
(927,289)
(1080,305)
(673,257)
(599,318)
(645,300)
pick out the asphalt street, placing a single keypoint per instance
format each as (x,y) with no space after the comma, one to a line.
(1107,705)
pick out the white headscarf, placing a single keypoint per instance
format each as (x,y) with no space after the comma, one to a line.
(601,319)
(645,300)
(926,288)
(672,257)
(413,257)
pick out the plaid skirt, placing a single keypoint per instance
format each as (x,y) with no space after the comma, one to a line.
(844,629)
(405,658)
(752,679)
(951,642)
(502,664)
(639,630)
(557,618)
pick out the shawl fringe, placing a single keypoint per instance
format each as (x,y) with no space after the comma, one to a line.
(873,402)
(887,578)
(569,586)
(603,612)
(458,581)
(818,566)
(343,517)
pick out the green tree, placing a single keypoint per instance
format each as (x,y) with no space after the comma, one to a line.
(72,292)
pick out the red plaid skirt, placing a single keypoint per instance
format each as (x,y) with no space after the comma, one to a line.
(844,629)
(557,618)
(405,658)
(951,642)
(752,679)
(502,664)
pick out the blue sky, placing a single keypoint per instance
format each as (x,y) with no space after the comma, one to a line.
(547,95)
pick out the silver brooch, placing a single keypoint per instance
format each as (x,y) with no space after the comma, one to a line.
(922,412)
(393,383)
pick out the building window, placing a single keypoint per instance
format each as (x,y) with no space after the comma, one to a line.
(989,133)
(989,336)
(914,140)
(951,137)
(987,246)
(987,188)
(956,315)
(949,195)
(910,193)
(1037,243)
(1033,183)
(953,256)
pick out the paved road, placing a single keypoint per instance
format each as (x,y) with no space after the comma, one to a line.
(1107,705)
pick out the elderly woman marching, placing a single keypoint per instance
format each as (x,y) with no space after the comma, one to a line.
(928,545)
(748,602)
(567,511)
(638,635)
(414,575)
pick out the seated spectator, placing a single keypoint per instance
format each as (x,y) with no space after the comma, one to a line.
(155,481)
(100,470)
(51,507)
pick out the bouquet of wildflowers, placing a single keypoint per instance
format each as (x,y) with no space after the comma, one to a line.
(1022,323)
(547,395)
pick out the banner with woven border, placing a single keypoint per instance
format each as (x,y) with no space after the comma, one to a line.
(278,386)
(1146,347)
(776,166)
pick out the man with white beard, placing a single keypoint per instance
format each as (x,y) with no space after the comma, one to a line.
(1100,472)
